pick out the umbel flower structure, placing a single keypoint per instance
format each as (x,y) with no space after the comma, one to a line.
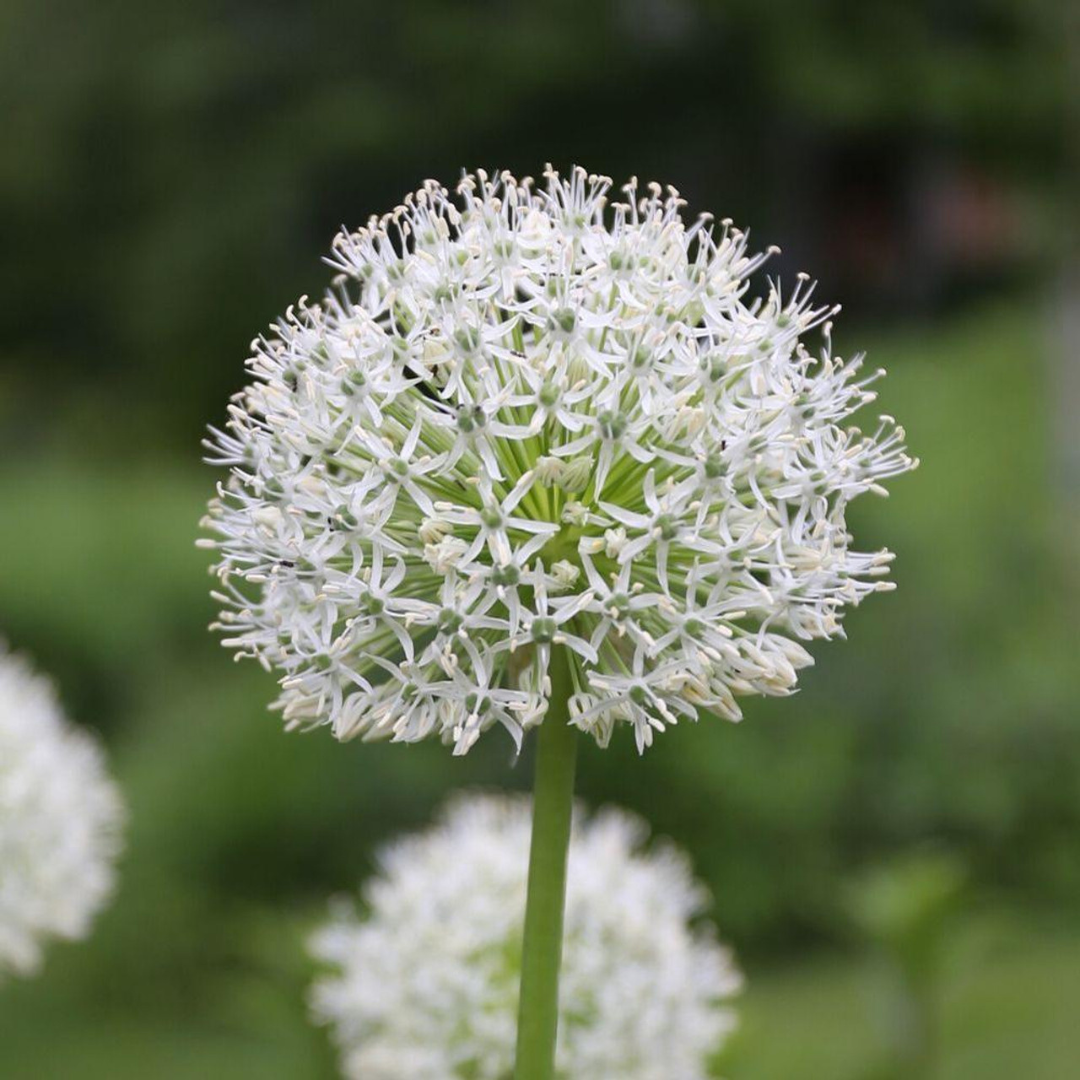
(60,821)
(528,416)
(424,982)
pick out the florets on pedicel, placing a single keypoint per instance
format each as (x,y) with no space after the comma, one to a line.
(527,416)
(60,821)
(425,980)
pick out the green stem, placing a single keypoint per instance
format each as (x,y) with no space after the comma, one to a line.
(553,795)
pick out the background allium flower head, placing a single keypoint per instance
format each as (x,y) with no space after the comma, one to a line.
(426,982)
(529,415)
(60,821)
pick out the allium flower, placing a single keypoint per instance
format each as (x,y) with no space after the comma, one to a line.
(60,820)
(527,416)
(426,981)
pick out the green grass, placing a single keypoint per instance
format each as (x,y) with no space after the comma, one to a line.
(1008,1011)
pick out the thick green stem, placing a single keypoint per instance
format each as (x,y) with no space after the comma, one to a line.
(553,795)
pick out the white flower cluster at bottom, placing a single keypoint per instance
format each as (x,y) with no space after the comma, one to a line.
(426,980)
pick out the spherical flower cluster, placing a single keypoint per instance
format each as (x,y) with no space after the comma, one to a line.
(60,820)
(426,982)
(529,416)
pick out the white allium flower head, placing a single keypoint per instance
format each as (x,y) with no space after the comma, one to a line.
(528,415)
(425,981)
(60,821)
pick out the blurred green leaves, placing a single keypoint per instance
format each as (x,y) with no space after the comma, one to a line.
(175,171)
(907,907)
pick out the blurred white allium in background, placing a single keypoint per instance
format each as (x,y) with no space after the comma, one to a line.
(60,821)
(426,980)
(527,415)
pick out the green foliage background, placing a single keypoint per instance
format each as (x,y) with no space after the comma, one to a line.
(170,177)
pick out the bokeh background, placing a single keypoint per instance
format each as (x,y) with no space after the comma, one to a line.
(895,853)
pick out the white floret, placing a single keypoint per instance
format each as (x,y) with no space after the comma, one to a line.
(521,383)
(60,822)
(424,982)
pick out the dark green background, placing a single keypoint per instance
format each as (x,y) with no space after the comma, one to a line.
(170,177)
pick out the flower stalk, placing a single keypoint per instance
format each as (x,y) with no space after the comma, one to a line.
(553,795)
